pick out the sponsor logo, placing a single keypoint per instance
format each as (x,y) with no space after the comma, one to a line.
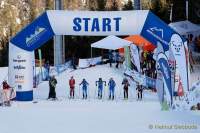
(18,56)
(165,70)
(19,59)
(177,46)
(19,78)
(19,87)
(158,33)
(39,31)
(19,67)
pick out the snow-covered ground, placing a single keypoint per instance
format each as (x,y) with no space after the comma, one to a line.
(93,115)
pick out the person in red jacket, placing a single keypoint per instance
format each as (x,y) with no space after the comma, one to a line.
(72,87)
(6,92)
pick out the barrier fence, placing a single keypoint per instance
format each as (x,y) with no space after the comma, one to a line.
(41,75)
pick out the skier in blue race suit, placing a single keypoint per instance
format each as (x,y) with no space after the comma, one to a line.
(84,84)
(111,85)
(100,87)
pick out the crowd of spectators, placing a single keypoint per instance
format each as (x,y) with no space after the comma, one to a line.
(148,64)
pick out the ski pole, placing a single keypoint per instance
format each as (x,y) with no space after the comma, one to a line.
(95,92)
(88,91)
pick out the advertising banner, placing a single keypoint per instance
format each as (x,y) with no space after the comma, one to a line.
(177,47)
(165,69)
(127,57)
(21,71)
(35,34)
(135,56)
(158,32)
(160,86)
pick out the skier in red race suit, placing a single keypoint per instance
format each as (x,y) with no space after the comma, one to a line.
(72,86)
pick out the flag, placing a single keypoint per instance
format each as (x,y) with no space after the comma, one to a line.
(135,56)
(177,47)
(166,72)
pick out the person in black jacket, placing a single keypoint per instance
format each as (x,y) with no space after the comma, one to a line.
(126,85)
(52,86)
(139,91)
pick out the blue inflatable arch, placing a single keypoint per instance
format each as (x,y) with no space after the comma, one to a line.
(87,23)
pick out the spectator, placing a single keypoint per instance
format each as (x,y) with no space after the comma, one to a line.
(52,86)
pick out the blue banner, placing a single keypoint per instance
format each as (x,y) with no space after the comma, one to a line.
(35,34)
(165,69)
(156,30)
(150,82)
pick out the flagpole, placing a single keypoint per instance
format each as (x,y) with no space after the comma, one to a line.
(171,12)
(186,9)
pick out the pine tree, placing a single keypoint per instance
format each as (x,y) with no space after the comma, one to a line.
(128,5)
(101,5)
(113,5)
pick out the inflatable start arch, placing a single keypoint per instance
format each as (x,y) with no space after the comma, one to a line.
(98,23)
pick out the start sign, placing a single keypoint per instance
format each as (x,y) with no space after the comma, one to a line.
(96,24)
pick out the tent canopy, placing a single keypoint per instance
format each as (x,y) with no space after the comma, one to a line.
(111,42)
(185,27)
(142,42)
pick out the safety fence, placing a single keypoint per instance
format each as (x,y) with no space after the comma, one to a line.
(84,63)
(141,79)
(42,74)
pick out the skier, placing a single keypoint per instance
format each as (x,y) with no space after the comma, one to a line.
(111,85)
(6,93)
(126,84)
(139,91)
(72,87)
(84,84)
(52,86)
(100,87)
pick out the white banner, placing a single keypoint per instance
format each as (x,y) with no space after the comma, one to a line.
(83,63)
(135,56)
(177,47)
(20,69)
(97,22)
